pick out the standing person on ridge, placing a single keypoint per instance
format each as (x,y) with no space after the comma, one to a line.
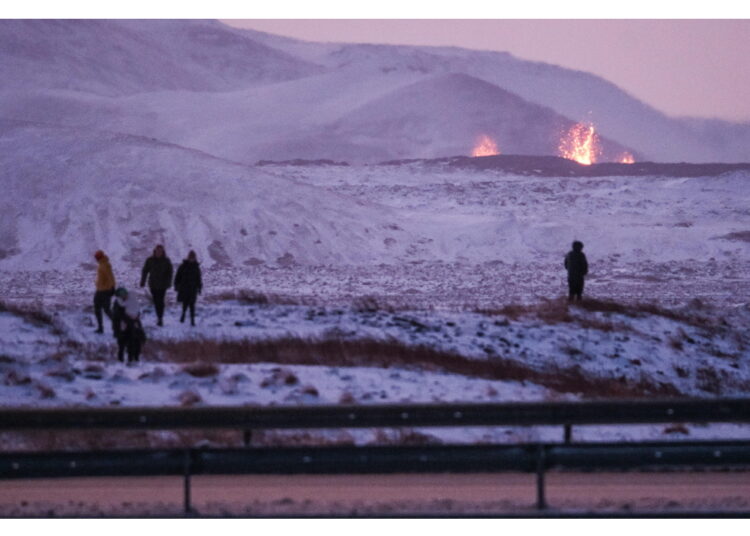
(158,270)
(188,284)
(105,289)
(578,267)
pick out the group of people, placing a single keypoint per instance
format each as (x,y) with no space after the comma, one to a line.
(125,313)
(157,271)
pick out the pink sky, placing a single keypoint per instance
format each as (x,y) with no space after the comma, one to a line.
(696,68)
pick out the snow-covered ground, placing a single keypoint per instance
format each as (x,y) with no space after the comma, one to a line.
(244,353)
(439,284)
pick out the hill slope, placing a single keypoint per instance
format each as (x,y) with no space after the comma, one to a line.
(445,114)
(114,57)
(61,204)
(248,96)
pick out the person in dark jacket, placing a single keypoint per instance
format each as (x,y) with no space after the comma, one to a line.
(188,284)
(126,326)
(578,267)
(158,270)
(105,289)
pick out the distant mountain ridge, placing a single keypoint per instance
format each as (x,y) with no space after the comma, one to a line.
(121,57)
(580,96)
(249,96)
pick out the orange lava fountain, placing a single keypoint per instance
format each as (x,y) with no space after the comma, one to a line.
(485,146)
(626,158)
(581,144)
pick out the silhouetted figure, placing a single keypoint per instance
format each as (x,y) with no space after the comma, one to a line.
(158,270)
(578,267)
(188,284)
(105,289)
(126,325)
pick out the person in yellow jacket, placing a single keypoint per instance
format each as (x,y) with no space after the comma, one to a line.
(105,289)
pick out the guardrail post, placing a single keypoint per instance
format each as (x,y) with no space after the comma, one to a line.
(247,436)
(186,483)
(568,433)
(541,502)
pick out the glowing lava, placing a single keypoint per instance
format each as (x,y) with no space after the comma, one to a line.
(626,158)
(581,144)
(485,146)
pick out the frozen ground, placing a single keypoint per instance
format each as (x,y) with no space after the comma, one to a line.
(416,236)
(245,353)
(455,295)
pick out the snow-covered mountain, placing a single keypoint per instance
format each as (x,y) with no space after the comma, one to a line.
(577,95)
(445,114)
(70,191)
(248,96)
(121,57)
(121,134)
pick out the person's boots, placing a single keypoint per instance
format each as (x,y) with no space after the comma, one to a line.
(182,318)
(159,322)
(99,330)
(192,320)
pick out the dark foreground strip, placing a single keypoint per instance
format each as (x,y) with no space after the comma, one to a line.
(376,460)
(375,416)
(538,514)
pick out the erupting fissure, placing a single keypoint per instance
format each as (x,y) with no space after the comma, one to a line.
(485,146)
(581,143)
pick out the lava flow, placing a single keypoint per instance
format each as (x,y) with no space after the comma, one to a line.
(626,158)
(485,146)
(581,143)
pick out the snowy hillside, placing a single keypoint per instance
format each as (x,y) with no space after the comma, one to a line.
(70,190)
(248,96)
(576,95)
(442,115)
(120,57)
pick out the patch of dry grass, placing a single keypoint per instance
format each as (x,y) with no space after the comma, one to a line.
(34,313)
(201,369)
(559,311)
(247,296)
(384,354)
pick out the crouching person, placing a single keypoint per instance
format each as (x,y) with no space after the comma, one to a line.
(126,325)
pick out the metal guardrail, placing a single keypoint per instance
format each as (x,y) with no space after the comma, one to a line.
(373,459)
(384,416)
(536,457)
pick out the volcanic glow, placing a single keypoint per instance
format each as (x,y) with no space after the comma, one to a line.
(626,158)
(485,146)
(581,144)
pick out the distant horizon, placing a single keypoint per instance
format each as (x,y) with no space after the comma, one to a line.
(683,68)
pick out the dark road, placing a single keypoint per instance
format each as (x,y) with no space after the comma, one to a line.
(433,493)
